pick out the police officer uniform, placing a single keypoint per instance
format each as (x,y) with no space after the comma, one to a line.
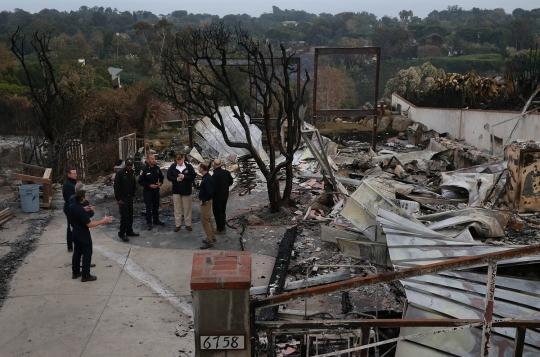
(151,176)
(82,241)
(125,191)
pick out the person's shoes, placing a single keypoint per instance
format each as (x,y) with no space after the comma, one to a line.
(220,232)
(176,229)
(159,223)
(206,245)
(123,237)
(92,265)
(75,275)
(70,250)
(150,226)
(90,277)
(133,234)
(189,228)
(205,241)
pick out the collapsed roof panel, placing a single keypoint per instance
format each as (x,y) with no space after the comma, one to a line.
(211,138)
(457,294)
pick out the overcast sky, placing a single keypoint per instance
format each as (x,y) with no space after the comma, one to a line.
(256,7)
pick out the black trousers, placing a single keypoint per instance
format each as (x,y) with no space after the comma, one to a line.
(69,235)
(151,200)
(219,207)
(82,248)
(126,215)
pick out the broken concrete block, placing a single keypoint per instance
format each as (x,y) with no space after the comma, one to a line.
(254,220)
(401,123)
(384,123)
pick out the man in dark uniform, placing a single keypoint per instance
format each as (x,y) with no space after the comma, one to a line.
(68,189)
(79,186)
(222,180)
(151,179)
(206,193)
(182,175)
(125,191)
(82,240)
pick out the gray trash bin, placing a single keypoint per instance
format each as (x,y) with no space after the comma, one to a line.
(29,198)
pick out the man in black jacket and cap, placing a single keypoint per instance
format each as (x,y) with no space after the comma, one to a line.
(222,180)
(68,190)
(125,191)
(182,175)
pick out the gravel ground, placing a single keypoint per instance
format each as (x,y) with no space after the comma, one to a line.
(15,247)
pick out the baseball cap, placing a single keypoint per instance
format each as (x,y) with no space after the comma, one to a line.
(129,162)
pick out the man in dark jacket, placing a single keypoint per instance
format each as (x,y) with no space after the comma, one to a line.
(222,180)
(125,191)
(182,175)
(79,186)
(206,193)
(151,179)
(68,189)
(81,237)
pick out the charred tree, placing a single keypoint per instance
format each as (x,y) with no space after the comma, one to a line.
(199,79)
(53,113)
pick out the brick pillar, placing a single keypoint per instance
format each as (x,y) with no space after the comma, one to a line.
(220,283)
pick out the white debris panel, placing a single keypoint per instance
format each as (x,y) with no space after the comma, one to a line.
(211,139)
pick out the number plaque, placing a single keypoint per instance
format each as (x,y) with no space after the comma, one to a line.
(222,342)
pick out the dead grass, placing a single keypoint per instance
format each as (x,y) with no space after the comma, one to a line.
(340,129)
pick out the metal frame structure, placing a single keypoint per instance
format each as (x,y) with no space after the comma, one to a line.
(487,323)
(348,112)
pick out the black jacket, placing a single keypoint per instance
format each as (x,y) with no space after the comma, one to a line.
(150,176)
(68,189)
(184,187)
(206,190)
(222,180)
(124,184)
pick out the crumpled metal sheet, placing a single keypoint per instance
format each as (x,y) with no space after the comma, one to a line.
(362,207)
(487,227)
(211,139)
(456,294)
(478,185)
(405,158)
(492,222)
(491,168)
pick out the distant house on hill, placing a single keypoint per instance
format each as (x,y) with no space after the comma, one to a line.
(289,23)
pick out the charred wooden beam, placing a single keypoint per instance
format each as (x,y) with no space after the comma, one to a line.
(279,273)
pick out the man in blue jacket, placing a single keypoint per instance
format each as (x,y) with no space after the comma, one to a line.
(206,193)
(182,175)
(151,179)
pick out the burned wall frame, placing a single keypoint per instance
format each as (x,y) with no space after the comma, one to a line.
(347,112)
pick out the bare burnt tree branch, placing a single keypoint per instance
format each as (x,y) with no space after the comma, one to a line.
(199,79)
(49,103)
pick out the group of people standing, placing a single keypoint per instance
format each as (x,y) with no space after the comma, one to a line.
(213,196)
